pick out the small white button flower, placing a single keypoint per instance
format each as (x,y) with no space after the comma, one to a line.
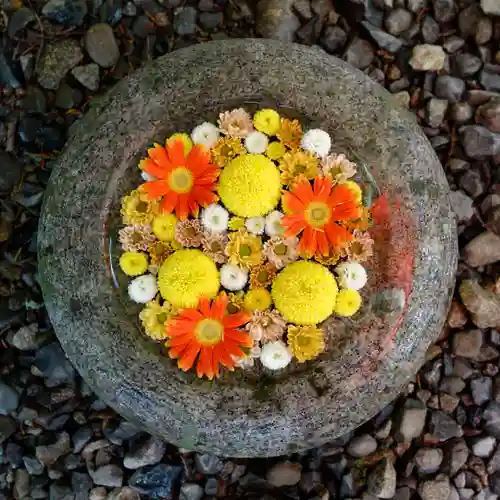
(255,225)
(351,275)
(147,177)
(232,277)
(256,143)
(143,289)
(206,134)
(273,226)
(275,355)
(317,142)
(215,218)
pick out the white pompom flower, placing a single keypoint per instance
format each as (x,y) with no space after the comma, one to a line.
(147,177)
(275,355)
(233,278)
(143,289)
(206,134)
(351,275)
(317,142)
(255,225)
(215,218)
(256,143)
(273,225)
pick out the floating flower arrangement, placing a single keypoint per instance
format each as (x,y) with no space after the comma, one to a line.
(243,239)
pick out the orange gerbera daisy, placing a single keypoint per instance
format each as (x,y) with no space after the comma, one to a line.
(183,182)
(211,333)
(315,213)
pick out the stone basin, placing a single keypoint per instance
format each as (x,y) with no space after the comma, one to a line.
(369,358)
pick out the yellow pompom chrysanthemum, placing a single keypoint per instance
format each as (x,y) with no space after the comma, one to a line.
(258,299)
(186,140)
(348,302)
(250,185)
(153,318)
(134,263)
(186,276)
(304,293)
(164,227)
(267,121)
(305,342)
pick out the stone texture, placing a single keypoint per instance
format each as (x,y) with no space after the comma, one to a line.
(100,43)
(56,60)
(427,58)
(382,480)
(483,305)
(276,19)
(482,250)
(108,349)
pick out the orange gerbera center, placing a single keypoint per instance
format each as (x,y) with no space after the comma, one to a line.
(314,212)
(180,180)
(209,332)
(183,182)
(207,336)
(317,214)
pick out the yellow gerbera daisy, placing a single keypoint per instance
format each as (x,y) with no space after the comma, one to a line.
(297,163)
(305,342)
(225,149)
(153,318)
(290,133)
(138,209)
(244,249)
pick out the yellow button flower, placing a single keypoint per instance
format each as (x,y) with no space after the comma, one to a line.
(267,121)
(258,299)
(355,188)
(134,263)
(275,150)
(348,302)
(164,227)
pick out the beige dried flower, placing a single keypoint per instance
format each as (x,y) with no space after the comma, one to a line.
(189,232)
(361,248)
(136,238)
(266,326)
(338,167)
(235,123)
(214,245)
(281,251)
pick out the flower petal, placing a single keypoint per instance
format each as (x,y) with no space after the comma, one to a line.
(175,151)
(337,235)
(322,243)
(204,306)
(223,356)
(308,241)
(188,357)
(235,320)
(303,191)
(182,208)
(219,305)
(160,156)
(322,188)
(293,203)
(168,202)
(156,189)
(238,336)
(198,159)
(204,365)
(203,196)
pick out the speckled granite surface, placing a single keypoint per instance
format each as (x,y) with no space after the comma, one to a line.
(369,359)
